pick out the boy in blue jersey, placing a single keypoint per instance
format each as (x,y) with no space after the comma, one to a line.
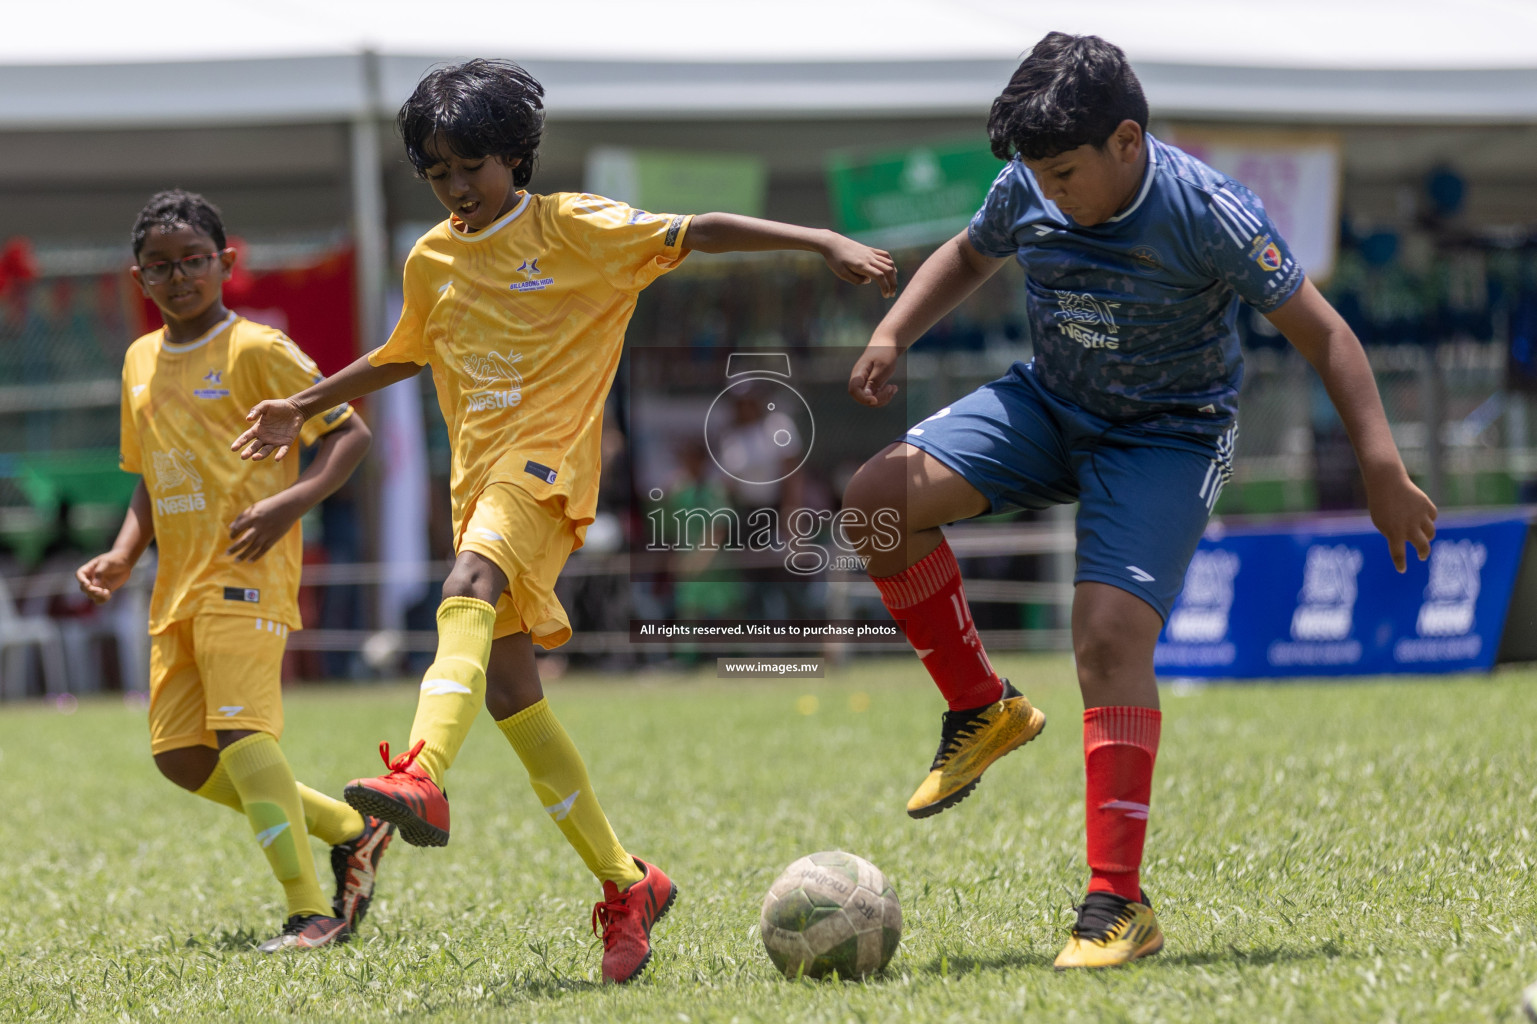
(1135,256)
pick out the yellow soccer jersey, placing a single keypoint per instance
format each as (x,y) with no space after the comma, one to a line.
(523,323)
(182,406)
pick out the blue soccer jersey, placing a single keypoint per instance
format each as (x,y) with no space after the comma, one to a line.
(1134,319)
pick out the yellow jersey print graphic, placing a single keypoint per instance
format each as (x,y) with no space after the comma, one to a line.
(172,471)
(522,323)
(498,375)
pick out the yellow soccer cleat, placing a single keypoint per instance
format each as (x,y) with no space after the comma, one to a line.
(1111,930)
(969,742)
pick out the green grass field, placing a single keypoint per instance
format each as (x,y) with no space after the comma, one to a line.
(1356,852)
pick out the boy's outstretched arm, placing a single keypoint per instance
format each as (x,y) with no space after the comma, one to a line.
(1399,509)
(730,232)
(954,271)
(262,525)
(275,423)
(103,574)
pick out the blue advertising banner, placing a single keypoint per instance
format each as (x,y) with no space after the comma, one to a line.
(1321,598)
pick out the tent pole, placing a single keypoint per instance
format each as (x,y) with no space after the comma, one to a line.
(371,254)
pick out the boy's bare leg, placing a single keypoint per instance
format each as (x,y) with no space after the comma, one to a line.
(920,584)
(197,770)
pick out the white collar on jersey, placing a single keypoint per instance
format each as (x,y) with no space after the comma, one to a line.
(202,339)
(492,228)
(1147,181)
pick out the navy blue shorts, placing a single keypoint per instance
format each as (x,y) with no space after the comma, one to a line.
(1144,496)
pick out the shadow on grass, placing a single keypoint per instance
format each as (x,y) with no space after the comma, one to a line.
(1261,957)
(225,940)
(957,965)
(962,964)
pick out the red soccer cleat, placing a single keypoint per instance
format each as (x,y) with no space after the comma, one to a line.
(308,931)
(406,797)
(355,864)
(627,918)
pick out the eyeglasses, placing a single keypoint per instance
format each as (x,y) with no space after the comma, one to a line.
(191,266)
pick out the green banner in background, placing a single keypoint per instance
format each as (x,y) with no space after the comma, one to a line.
(665,181)
(909,196)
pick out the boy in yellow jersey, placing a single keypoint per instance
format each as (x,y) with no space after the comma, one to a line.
(227,583)
(519,304)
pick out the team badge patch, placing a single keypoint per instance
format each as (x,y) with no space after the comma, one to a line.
(1269,257)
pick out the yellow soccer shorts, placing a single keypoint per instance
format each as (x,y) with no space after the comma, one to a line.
(214,672)
(528,539)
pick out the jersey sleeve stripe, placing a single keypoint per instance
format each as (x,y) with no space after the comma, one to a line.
(1224,219)
(1230,202)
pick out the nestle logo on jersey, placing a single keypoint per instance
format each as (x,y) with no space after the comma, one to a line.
(532,281)
(1079,313)
(178,503)
(173,470)
(498,375)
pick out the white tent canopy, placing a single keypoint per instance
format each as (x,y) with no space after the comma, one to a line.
(283,61)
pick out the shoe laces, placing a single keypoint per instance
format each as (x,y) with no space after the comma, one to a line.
(957,726)
(1100,915)
(404,761)
(612,914)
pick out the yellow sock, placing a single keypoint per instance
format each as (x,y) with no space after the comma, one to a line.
(218,788)
(560,781)
(454,687)
(325,818)
(260,774)
(328,819)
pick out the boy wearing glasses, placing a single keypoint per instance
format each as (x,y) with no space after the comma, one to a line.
(226,589)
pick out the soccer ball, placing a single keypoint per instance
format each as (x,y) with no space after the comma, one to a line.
(831,912)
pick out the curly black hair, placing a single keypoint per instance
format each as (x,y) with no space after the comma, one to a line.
(479,108)
(1070,91)
(176,208)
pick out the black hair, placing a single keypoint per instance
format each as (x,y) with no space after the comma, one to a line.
(1070,91)
(176,208)
(480,108)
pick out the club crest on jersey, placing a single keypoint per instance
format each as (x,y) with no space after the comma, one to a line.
(1088,320)
(214,379)
(173,470)
(533,278)
(1146,258)
(1266,253)
(497,376)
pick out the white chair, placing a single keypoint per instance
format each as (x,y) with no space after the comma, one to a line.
(17,633)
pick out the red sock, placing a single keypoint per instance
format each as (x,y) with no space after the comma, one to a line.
(929,604)
(1120,745)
